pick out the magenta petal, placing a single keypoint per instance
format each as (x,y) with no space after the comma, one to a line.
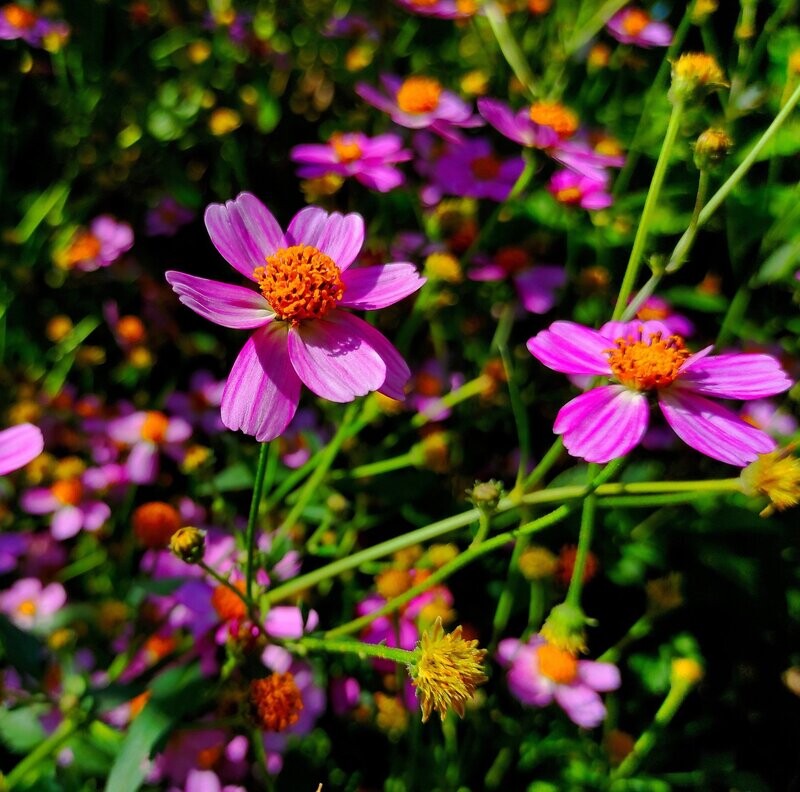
(334,359)
(537,287)
(736,376)
(284,621)
(244,232)
(599,676)
(18,446)
(603,424)
(66,522)
(571,349)
(222,303)
(367,288)
(95,513)
(262,392)
(39,500)
(713,430)
(582,705)
(142,463)
(340,236)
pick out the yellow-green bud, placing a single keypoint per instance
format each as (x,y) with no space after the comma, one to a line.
(711,148)
(687,671)
(565,628)
(485,495)
(694,75)
(188,544)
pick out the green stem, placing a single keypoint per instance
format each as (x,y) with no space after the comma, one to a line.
(353,647)
(640,240)
(484,525)
(552,456)
(733,316)
(409,459)
(648,501)
(520,416)
(508,45)
(255,503)
(584,544)
(593,26)
(42,752)
(475,387)
(223,581)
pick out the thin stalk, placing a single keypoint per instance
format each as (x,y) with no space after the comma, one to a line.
(475,387)
(520,416)
(552,456)
(223,581)
(409,459)
(509,46)
(484,525)
(584,544)
(640,240)
(593,26)
(352,647)
(255,503)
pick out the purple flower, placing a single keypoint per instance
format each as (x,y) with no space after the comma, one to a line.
(29,604)
(608,421)
(368,160)
(12,547)
(105,241)
(301,334)
(206,781)
(539,673)
(470,169)
(167,217)
(421,103)
(17,22)
(518,126)
(302,436)
(19,445)
(440,9)
(587,160)
(70,503)
(766,415)
(635,26)
(573,189)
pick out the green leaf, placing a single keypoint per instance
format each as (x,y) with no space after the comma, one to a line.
(23,650)
(782,263)
(21,729)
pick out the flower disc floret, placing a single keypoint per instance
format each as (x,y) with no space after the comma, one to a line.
(300,282)
(277,702)
(346,148)
(419,95)
(554,115)
(648,365)
(557,664)
(636,20)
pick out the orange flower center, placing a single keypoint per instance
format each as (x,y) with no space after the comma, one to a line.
(428,384)
(647,365)
(424,3)
(635,21)
(419,95)
(300,282)
(130,329)
(19,17)
(155,427)
(27,607)
(345,148)
(557,664)
(651,312)
(554,115)
(154,523)
(276,701)
(159,646)
(227,605)
(485,168)
(467,6)
(69,492)
(208,757)
(84,247)
(511,259)
(569,195)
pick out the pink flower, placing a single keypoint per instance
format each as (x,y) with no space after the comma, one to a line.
(634,26)
(573,189)
(301,334)
(18,22)
(421,103)
(70,503)
(19,445)
(607,422)
(105,241)
(369,160)
(440,9)
(29,604)
(539,673)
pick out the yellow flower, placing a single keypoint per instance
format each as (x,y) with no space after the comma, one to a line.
(444,267)
(537,563)
(694,74)
(776,475)
(188,544)
(447,671)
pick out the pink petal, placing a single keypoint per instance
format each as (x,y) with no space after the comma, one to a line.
(178,430)
(127,429)
(244,232)
(340,236)
(142,463)
(382,178)
(317,153)
(66,522)
(367,288)
(39,500)
(18,446)
(334,359)
(222,303)
(284,621)
(711,429)
(537,287)
(571,349)
(262,392)
(582,705)
(736,376)
(603,424)
(599,676)
(95,514)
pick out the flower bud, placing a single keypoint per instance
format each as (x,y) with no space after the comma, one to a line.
(776,475)
(188,544)
(485,495)
(711,148)
(565,628)
(687,671)
(694,75)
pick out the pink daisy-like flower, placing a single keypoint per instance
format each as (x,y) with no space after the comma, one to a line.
(302,337)
(441,9)
(29,604)
(539,673)
(573,189)
(71,503)
(421,103)
(368,160)
(607,422)
(105,241)
(635,26)
(19,445)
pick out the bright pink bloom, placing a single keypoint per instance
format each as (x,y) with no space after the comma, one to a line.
(19,445)
(573,189)
(106,240)
(29,604)
(421,103)
(634,26)
(369,160)
(439,9)
(71,503)
(607,422)
(301,334)
(538,673)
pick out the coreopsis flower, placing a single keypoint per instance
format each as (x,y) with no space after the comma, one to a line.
(441,9)
(167,217)
(302,335)
(19,445)
(636,26)
(609,421)
(420,102)
(100,246)
(695,74)
(30,604)
(539,673)
(446,671)
(369,161)
(573,189)
(71,503)
(775,475)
